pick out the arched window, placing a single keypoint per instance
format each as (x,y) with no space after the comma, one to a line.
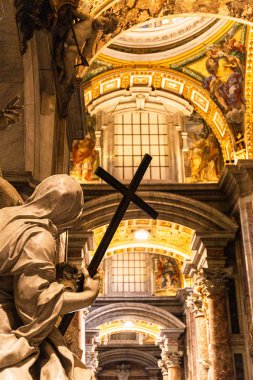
(137,133)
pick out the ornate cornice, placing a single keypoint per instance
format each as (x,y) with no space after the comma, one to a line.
(237,182)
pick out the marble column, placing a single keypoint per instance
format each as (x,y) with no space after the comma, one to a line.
(169,364)
(173,364)
(197,305)
(190,337)
(219,336)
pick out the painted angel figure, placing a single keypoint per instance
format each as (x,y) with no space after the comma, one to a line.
(31,300)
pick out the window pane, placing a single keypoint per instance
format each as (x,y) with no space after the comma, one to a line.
(118,129)
(128,273)
(142,133)
(128,173)
(144,129)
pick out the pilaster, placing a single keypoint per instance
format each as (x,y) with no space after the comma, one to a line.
(219,336)
(170,361)
(196,303)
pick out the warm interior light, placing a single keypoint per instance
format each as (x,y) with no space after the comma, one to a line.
(128,324)
(141,235)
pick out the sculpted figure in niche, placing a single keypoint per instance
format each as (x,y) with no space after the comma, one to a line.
(31,300)
(204,158)
(79,41)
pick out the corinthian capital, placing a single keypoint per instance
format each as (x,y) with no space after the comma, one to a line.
(174,358)
(216,280)
(170,359)
(195,304)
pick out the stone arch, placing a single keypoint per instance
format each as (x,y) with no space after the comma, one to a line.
(133,310)
(187,89)
(132,355)
(171,207)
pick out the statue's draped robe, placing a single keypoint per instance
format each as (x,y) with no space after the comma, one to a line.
(30,299)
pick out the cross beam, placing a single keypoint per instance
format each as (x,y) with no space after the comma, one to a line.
(128,197)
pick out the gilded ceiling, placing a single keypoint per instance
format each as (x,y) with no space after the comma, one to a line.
(164,238)
(209,71)
(151,8)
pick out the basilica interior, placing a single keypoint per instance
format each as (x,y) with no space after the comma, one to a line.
(174,80)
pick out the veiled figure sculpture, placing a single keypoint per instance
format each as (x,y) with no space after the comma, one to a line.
(31,300)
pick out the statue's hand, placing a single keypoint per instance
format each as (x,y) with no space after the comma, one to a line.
(76,301)
(90,284)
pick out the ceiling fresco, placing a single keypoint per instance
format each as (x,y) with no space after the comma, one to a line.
(237,9)
(210,75)
(134,12)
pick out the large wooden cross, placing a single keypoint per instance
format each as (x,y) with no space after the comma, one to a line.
(128,197)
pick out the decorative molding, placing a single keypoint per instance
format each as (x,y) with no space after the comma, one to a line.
(249,96)
(169,82)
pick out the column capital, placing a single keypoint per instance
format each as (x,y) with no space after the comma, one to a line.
(216,280)
(174,359)
(196,305)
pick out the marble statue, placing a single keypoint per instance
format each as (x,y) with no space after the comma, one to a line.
(79,41)
(8,194)
(31,299)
